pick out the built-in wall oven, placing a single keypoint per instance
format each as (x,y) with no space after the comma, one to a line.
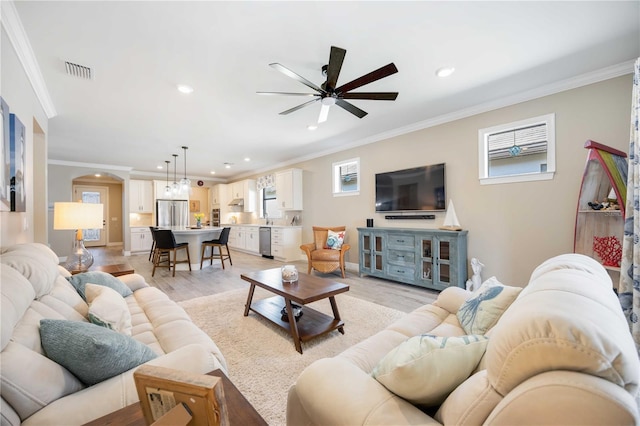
(215,217)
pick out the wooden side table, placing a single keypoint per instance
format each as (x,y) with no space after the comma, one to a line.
(240,411)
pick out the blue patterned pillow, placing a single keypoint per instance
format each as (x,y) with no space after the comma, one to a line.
(90,352)
(100,278)
(482,311)
(335,239)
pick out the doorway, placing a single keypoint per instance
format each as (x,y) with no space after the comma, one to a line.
(96,195)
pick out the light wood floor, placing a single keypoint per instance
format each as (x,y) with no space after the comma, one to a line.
(213,279)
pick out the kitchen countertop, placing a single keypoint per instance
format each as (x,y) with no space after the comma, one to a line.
(257,225)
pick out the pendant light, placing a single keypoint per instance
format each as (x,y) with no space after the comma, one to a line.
(185,183)
(167,189)
(175,188)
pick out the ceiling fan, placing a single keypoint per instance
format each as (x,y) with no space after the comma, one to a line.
(328,94)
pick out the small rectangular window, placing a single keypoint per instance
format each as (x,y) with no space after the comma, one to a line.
(518,152)
(346,177)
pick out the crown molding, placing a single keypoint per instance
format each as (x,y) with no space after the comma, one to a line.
(90,165)
(20,42)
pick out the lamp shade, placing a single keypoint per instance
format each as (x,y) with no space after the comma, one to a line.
(77,216)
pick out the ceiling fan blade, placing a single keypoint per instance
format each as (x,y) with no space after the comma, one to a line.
(324,113)
(288,93)
(286,71)
(336,58)
(383,72)
(289,111)
(351,108)
(376,96)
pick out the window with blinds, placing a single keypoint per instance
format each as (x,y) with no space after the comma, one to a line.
(518,152)
(346,177)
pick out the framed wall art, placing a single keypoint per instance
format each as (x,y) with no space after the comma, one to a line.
(5,157)
(17,142)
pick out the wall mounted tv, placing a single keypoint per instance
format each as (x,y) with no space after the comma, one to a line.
(417,189)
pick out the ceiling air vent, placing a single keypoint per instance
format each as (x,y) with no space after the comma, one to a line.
(79,71)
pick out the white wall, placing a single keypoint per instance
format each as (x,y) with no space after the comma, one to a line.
(17,91)
(512,227)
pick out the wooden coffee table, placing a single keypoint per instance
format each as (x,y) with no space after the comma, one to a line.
(307,289)
(116,270)
(239,410)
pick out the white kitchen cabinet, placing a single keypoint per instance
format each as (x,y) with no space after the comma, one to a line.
(141,240)
(246,190)
(237,237)
(218,194)
(252,239)
(289,189)
(140,196)
(285,243)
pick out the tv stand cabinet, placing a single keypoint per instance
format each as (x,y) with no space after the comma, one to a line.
(430,258)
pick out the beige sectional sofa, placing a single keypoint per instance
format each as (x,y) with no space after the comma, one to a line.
(561,353)
(37,390)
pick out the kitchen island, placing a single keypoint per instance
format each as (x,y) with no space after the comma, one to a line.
(195,237)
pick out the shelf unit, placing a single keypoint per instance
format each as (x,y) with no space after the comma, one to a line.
(430,258)
(605,172)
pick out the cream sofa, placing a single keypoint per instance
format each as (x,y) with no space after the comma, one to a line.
(37,390)
(561,353)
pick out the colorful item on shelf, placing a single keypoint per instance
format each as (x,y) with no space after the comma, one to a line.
(609,249)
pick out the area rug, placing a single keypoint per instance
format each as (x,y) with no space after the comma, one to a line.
(262,360)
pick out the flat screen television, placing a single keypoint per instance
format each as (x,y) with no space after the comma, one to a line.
(416,189)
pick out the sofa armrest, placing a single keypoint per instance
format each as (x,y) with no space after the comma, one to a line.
(451,298)
(332,391)
(308,248)
(119,391)
(134,281)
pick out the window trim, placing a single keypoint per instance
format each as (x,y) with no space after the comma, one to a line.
(335,181)
(483,151)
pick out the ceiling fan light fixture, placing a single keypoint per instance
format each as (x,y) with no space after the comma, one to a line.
(328,101)
(445,71)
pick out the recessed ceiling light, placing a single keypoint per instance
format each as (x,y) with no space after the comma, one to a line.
(247,159)
(312,127)
(213,172)
(183,88)
(445,71)
(227,165)
(159,167)
(97,175)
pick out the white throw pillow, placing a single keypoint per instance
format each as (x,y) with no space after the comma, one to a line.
(483,310)
(108,308)
(425,369)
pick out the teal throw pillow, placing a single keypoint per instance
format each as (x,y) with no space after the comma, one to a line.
(90,352)
(101,278)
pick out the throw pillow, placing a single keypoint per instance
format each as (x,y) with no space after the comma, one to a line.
(335,239)
(101,278)
(425,369)
(108,309)
(482,311)
(90,352)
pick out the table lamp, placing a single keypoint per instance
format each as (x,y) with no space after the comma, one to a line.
(78,216)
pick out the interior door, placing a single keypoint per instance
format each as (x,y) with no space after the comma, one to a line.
(97,195)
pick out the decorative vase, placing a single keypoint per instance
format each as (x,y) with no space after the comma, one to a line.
(198,224)
(289,274)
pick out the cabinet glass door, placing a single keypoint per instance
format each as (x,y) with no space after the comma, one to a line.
(366,252)
(427,259)
(444,275)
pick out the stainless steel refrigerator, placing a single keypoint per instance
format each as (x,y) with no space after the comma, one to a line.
(172,213)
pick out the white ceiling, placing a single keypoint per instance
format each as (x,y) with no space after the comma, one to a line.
(130,114)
